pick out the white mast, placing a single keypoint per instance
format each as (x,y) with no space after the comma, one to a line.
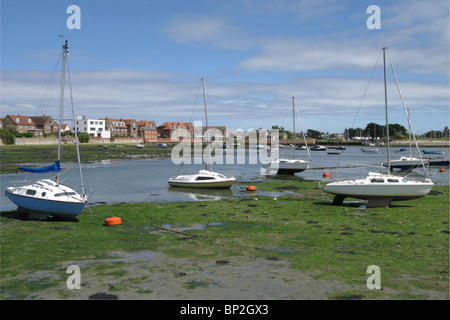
(386,109)
(293,123)
(207,127)
(61,104)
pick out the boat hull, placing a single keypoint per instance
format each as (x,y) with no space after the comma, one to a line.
(287,166)
(201,185)
(369,192)
(43,208)
(438,162)
(203,179)
(380,190)
(406,163)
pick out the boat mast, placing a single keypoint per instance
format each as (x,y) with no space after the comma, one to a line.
(408,116)
(386,110)
(75,127)
(293,123)
(207,127)
(61,103)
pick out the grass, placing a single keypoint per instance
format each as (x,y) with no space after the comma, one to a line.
(409,241)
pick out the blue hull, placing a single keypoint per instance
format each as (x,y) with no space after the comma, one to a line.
(45,208)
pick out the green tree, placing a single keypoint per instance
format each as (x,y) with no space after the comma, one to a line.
(310,133)
(7,137)
(83,137)
(446,132)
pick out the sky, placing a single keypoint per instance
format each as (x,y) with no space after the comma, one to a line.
(144,60)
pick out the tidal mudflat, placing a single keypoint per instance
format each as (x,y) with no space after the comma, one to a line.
(296,245)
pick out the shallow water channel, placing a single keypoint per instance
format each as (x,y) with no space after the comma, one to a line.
(108,182)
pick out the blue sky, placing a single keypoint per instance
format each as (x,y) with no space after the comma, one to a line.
(145,60)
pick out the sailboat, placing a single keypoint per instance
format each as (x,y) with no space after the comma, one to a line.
(379,189)
(204,178)
(286,165)
(46,198)
(407,163)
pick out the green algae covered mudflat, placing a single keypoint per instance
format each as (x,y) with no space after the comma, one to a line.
(294,245)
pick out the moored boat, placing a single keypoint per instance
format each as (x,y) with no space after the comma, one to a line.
(46,198)
(380,189)
(288,165)
(204,178)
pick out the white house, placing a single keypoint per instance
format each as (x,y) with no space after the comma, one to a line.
(93,127)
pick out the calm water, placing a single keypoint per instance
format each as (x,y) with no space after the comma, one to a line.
(146,180)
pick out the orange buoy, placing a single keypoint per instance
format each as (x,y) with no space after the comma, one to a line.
(251,188)
(326,175)
(442,170)
(111,221)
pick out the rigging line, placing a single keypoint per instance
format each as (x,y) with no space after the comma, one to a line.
(303,132)
(367,87)
(75,127)
(195,102)
(407,116)
(50,85)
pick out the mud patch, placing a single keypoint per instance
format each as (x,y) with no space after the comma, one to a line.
(153,275)
(103,296)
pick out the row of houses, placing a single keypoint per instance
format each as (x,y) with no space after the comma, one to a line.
(105,128)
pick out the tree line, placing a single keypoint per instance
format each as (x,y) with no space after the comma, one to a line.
(371,131)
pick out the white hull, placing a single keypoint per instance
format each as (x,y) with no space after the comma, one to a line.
(370,150)
(287,166)
(406,163)
(203,179)
(45,199)
(381,187)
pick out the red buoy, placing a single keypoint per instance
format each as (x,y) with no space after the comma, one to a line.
(111,221)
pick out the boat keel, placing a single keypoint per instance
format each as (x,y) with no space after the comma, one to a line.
(338,200)
(377,203)
(372,203)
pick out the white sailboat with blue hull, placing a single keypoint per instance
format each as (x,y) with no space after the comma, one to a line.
(46,198)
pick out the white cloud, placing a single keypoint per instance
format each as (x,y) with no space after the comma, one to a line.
(281,49)
(210,31)
(169,97)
